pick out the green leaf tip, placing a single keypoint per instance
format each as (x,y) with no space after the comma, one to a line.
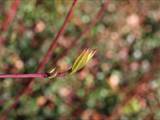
(82,60)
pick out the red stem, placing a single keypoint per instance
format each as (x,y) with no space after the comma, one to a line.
(10,15)
(43,61)
(9,18)
(53,45)
(51,49)
(97,17)
(36,75)
(33,75)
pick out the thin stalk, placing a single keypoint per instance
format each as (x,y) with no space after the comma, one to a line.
(37,75)
(97,18)
(43,62)
(33,75)
(10,15)
(53,45)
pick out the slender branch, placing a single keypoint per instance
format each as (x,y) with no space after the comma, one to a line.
(53,45)
(10,15)
(37,75)
(33,75)
(9,18)
(48,55)
(43,62)
(97,18)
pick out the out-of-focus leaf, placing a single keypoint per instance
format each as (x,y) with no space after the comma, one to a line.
(132,107)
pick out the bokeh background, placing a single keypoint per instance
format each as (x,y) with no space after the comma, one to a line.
(121,82)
